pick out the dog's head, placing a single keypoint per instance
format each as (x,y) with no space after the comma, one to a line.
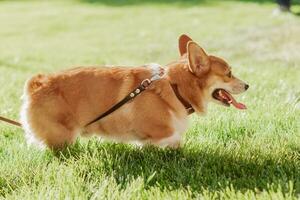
(217,79)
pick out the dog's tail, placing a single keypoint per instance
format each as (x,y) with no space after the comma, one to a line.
(32,85)
(35,83)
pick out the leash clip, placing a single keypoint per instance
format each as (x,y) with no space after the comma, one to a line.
(145,83)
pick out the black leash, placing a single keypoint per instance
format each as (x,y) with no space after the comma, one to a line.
(10,121)
(134,93)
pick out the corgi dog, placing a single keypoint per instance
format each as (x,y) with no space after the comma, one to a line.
(57,107)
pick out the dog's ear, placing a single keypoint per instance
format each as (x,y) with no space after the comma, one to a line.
(182,43)
(198,59)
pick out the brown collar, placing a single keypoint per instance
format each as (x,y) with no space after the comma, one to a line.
(187,105)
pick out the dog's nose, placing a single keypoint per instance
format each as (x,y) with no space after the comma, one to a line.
(246,87)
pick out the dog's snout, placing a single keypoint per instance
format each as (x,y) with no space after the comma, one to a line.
(246,86)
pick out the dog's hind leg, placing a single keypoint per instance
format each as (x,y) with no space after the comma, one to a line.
(57,136)
(53,133)
(48,126)
(46,115)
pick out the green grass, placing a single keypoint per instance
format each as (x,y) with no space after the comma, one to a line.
(227,154)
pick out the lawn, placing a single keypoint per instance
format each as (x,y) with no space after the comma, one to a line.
(227,154)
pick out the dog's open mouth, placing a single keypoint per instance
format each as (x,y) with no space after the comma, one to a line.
(226,98)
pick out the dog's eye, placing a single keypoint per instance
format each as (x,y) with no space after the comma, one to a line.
(229,74)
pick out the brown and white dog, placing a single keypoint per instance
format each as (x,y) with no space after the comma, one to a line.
(57,107)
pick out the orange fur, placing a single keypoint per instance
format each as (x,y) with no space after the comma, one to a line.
(56,107)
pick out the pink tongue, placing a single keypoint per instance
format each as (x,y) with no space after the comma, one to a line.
(239,105)
(232,101)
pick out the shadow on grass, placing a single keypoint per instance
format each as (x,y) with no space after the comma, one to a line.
(192,168)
